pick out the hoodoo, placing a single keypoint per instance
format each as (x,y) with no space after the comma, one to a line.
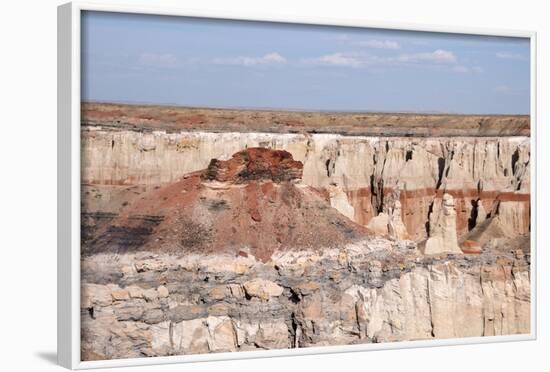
(443,237)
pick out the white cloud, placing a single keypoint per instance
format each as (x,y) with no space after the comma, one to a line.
(273,58)
(379,44)
(336,59)
(437,56)
(364,59)
(158,60)
(511,56)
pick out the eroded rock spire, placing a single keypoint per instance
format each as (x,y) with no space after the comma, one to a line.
(443,238)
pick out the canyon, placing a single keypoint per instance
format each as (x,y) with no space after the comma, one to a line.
(246,230)
(361,173)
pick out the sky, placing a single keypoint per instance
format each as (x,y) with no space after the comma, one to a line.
(220,63)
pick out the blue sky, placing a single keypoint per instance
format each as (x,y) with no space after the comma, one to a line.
(201,62)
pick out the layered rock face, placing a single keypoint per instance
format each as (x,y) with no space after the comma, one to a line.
(148,304)
(199,242)
(255,164)
(487,176)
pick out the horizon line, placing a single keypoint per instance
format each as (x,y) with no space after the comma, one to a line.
(294,109)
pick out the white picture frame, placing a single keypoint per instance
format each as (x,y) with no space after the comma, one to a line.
(69,16)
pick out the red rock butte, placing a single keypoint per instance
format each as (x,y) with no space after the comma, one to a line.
(255,164)
(256,205)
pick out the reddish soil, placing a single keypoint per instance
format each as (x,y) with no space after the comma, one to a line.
(171,118)
(261,212)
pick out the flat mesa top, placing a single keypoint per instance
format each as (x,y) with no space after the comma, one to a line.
(176,119)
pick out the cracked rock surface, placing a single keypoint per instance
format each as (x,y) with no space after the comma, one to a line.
(372,291)
(201,242)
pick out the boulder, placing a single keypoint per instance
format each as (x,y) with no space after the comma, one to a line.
(219,293)
(153,316)
(150,294)
(135,291)
(162,291)
(120,294)
(95,294)
(379,224)
(263,289)
(273,335)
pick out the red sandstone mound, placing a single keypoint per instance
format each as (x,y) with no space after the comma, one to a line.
(252,203)
(255,164)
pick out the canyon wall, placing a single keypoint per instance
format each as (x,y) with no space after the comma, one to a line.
(145,304)
(209,231)
(364,176)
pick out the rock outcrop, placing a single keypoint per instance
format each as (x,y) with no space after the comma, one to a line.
(485,176)
(201,242)
(389,222)
(255,164)
(443,238)
(252,204)
(371,291)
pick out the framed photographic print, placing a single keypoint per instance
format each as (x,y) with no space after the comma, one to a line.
(237,186)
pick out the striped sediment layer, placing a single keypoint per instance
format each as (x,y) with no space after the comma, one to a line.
(434,231)
(487,176)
